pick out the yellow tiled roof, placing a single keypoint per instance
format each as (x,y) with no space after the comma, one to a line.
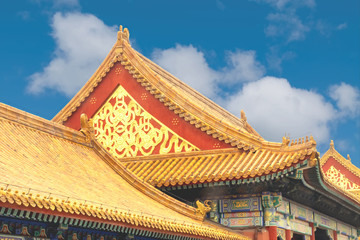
(184,101)
(214,166)
(338,180)
(44,165)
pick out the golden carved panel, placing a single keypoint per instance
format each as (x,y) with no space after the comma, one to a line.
(125,129)
(340,180)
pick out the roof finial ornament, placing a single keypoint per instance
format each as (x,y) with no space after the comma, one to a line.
(285,141)
(243,116)
(332,144)
(123,34)
(87,127)
(348,158)
(203,208)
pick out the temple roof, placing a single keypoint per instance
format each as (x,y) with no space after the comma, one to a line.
(179,98)
(339,173)
(48,167)
(250,157)
(218,165)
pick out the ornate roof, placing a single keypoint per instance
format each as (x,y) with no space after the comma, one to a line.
(131,78)
(47,167)
(339,173)
(218,165)
(179,98)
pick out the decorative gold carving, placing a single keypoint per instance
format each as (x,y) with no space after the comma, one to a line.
(340,180)
(86,127)
(243,116)
(203,208)
(285,142)
(281,233)
(125,129)
(123,34)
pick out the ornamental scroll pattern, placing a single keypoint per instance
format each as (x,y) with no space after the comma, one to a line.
(125,129)
(340,180)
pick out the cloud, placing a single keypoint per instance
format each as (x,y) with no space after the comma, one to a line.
(188,64)
(274,58)
(242,66)
(274,108)
(288,25)
(82,42)
(341,26)
(284,21)
(347,99)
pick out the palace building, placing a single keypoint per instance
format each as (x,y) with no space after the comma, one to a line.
(137,154)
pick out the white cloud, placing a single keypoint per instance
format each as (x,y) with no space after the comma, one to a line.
(347,99)
(274,58)
(241,67)
(287,25)
(273,107)
(341,26)
(188,64)
(285,22)
(82,42)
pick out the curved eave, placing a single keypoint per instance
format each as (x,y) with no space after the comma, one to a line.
(223,165)
(314,179)
(73,210)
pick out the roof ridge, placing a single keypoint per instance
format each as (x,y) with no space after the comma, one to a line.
(21,117)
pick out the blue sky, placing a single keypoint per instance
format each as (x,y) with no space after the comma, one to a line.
(293,66)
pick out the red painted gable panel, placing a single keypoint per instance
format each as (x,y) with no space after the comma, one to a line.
(332,162)
(118,75)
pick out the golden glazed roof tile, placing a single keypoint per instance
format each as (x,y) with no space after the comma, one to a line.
(215,165)
(47,166)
